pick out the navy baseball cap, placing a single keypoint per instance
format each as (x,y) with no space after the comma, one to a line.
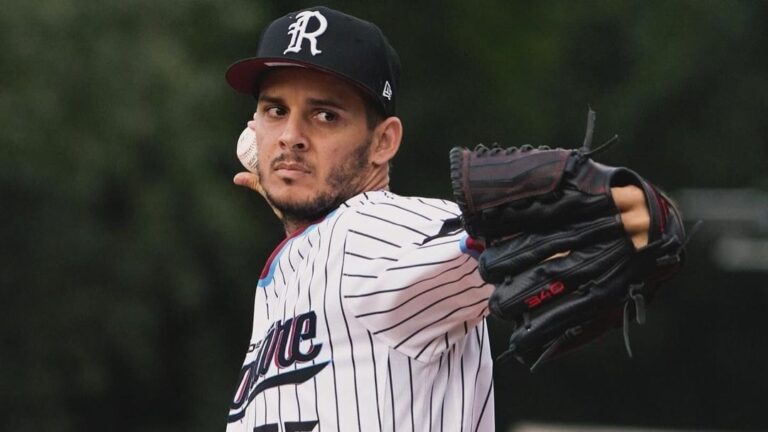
(330,41)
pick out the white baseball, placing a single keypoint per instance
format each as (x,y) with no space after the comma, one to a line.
(247,149)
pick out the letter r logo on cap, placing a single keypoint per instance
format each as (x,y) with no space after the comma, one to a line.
(298,32)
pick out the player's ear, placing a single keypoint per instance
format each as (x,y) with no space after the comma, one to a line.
(386,140)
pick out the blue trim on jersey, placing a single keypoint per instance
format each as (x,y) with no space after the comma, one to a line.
(273,265)
(466,249)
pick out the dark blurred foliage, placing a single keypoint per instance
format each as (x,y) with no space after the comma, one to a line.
(128,259)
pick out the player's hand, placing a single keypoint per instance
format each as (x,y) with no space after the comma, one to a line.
(251,181)
(630,201)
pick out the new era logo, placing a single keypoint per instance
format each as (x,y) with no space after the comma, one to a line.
(387,93)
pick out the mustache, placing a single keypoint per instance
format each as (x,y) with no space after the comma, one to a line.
(290,158)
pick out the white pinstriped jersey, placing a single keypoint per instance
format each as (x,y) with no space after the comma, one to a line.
(365,322)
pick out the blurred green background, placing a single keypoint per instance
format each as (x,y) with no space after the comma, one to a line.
(128,259)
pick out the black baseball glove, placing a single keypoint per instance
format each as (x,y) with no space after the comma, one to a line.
(530,204)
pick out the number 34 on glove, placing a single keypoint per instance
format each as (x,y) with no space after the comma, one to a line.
(564,266)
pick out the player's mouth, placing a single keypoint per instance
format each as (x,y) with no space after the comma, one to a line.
(291,170)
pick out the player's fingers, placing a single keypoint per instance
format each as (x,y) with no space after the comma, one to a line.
(637,224)
(630,200)
(628,197)
(526,250)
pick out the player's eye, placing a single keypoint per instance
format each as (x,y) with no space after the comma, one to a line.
(275,111)
(326,116)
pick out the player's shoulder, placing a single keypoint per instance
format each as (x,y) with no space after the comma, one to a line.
(388,204)
(382,220)
(384,214)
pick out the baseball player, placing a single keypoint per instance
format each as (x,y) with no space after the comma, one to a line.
(370,314)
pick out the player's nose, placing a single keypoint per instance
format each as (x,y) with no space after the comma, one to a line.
(293,136)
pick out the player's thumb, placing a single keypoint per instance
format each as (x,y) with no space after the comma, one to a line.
(247,179)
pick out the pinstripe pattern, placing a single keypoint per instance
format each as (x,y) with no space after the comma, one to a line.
(365,323)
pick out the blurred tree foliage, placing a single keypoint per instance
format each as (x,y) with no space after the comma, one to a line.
(129,259)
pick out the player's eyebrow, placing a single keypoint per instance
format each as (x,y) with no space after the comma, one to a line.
(315,102)
(270,99)
(326,103)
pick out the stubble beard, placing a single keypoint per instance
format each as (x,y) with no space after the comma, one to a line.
(343,183)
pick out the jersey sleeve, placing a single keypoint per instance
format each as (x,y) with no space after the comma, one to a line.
(418,292)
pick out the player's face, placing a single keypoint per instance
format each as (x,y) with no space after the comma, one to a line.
(313,141)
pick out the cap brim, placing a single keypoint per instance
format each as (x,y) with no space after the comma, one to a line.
(244,75)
